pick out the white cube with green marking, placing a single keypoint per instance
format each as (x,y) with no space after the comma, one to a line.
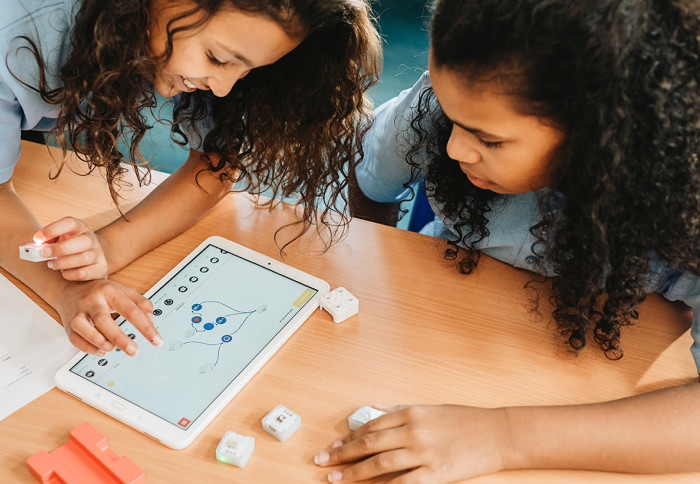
(235,449)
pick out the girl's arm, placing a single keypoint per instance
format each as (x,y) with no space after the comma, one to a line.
(84,307)
(657,432)
(174,206)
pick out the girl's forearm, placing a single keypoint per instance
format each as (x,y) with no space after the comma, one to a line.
(17,226)
(174,206)
(657,432)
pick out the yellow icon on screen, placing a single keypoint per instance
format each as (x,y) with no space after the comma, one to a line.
(305,296)
(111,384)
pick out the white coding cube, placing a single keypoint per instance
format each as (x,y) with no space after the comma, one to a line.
(281,423)
(340,304)
(363,415)
(32,253)
(235,449)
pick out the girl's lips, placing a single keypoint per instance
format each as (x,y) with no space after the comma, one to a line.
(183,86)
(479,182)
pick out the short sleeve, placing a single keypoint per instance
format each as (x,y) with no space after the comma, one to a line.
(383,171)
(685,287)
(47,25)
(10,122)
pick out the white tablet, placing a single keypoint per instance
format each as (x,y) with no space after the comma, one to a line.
(222,312)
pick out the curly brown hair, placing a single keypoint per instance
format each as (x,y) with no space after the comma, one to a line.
(621,79)
(291,126)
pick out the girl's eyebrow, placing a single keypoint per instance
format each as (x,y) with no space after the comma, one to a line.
(240,57)
(475,131)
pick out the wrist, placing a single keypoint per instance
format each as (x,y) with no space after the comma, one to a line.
(113,265)
(54,293)
(514,453)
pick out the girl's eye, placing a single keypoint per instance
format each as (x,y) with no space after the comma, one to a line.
(214,60)
(490,144)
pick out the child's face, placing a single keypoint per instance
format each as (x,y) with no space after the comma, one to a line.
(498,148)
(217,54)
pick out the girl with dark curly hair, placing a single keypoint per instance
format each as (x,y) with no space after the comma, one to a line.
(267,94)
(560,137)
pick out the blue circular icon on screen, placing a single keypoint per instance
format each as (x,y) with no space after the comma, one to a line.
(196,319)
(204,269)
(208,326)
(220,320)
(226,338)
(194,279)
(196,307)
(214,260)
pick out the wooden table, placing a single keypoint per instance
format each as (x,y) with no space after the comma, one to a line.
(425,334)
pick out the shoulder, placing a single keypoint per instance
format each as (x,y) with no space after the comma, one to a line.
(48,25)
(390,134)
(406,102)
(384,170)
(30,17)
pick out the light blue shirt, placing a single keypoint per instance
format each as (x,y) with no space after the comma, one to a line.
(384,171)
(48,24)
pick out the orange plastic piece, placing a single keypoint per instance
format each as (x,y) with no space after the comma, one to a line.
(84,459)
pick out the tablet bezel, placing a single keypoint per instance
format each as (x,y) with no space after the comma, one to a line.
(158,428)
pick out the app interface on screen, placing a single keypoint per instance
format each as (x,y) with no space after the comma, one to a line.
(215,316)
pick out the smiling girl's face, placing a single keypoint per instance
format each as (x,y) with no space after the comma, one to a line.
(497,147)
(215,55)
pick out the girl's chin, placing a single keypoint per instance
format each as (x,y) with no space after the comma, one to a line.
(165,89)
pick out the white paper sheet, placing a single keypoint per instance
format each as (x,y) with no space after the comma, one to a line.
(32,348)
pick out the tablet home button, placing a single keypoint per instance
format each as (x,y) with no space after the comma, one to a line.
(119,406)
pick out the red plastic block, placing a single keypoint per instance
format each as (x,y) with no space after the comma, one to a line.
(84,459)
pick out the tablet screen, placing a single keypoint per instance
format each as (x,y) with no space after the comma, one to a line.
(215,316)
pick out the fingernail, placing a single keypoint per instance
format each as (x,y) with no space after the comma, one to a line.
(46,252)
(132,349)
(108,346)
(101,352)
(335,476)
(51,264)
(157,340)
(337,443)
(39,238)
(322,458)
(150,316)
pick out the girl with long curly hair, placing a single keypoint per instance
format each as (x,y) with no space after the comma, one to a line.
(560,137)
(267,94)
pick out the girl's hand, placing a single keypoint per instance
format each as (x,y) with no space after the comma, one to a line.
(78,251)
(422,444)
(86,310)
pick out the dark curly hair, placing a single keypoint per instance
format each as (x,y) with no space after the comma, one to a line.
(621,79)
(290,127)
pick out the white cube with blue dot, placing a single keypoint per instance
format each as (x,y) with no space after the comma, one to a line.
(281,423)
(235,449)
